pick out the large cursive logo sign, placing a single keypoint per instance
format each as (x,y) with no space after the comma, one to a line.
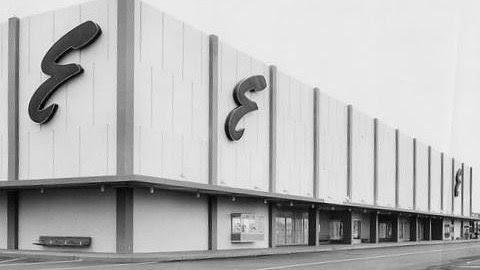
(245,105)
(458,181)
(78,38)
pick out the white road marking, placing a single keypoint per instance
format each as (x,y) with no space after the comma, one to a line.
(102,265)
(39,263)
(469,262)
(12,260)
(361,259)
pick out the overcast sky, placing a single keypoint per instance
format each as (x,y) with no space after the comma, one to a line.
(413,63)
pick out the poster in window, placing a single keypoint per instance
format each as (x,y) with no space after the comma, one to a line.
(247,227)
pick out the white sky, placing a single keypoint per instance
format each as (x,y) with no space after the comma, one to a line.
(413,63)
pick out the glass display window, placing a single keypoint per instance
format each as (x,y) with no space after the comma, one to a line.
(247,227)
(356,229)
(336,230)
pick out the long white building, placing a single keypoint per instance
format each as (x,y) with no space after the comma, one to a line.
(164,138)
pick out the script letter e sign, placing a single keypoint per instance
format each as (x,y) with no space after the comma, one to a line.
(78,38)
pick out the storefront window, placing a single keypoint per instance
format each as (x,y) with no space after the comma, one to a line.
(247,227)
(385,230)
(446,230)
(421,230)
(356,229)
(336,230)
(291,228)
(401,230)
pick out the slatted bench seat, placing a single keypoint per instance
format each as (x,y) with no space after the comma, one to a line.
(64,241)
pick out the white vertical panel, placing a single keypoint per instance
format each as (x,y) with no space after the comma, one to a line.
(244,163)
(405,171)
(333,149)
(85,121)
(447,184)
(386,165)
(294,137)
(171,97)
(3,100)
(362,158)
(435,181)
(421,179)
(457,201)
(466,191)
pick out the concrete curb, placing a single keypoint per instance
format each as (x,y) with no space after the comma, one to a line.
(204,255)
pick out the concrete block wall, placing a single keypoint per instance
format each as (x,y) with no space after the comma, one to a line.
(332,161)
(171,97)
(386,165)
(448,179)
(457,201)
(405,171)
(3,100)
(81,139)
(295,135)
(362,158)
(169,221)
(466,196)
(243,163)
(3,220)
(436,181)
(68,212)
(225,208)
(421,176)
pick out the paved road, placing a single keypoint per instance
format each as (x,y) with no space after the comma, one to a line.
(435,257)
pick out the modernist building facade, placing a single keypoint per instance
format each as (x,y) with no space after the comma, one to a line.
(164,138)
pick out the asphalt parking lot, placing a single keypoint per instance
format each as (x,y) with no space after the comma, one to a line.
(453,256)
(25,263)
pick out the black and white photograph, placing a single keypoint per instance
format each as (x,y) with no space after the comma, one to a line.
(239,134)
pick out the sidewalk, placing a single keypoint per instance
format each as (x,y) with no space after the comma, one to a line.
(202,255)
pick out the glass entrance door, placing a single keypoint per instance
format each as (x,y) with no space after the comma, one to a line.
(291,228)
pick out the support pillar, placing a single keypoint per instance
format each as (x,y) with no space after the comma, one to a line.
(374,228)
(124,220)
(428,229)
(272,236)
(414,228)
(12,139)
(347,227)
(212,222)
(313,221)
(12,219)
(396,221)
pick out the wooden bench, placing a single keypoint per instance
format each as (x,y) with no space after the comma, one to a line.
(64,241)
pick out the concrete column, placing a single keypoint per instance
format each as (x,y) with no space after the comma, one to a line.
(213,111)
(273,130)
(347,227)
(124,220)
(313,221)
(12,219)
(316,142)
(414,228)
(349,152)
(272,236)
(12,160)
(125,85)
(428,229)
(461,229)
(212,223)
(396,221)
(374,228)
